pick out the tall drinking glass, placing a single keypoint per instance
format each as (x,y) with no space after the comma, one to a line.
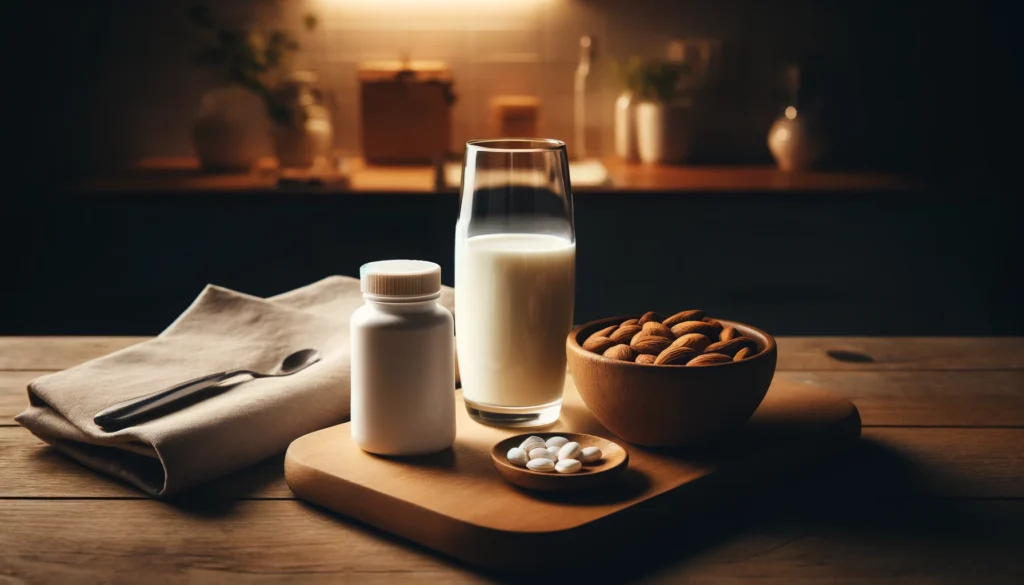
(515,274)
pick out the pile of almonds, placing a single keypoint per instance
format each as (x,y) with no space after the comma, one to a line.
(686,338)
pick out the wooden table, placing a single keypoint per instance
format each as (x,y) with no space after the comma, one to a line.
(935,494)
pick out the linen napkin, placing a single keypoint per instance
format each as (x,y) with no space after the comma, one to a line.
(238,427)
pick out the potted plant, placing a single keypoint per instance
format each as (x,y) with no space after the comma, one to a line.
(662,116)
(255,66)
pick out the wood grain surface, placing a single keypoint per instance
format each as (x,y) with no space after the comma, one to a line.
(57,353)
(963,462)
(980,398)
(932,495)
(13,394)
(264,542)
(901,353)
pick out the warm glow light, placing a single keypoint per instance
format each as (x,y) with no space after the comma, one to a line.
(405,9)
(420,3)
(791,113)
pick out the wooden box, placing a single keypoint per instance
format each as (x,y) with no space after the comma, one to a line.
(515,116)
(405,111)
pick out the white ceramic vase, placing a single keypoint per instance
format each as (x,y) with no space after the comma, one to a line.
(663,131)
(795,141)
(625,127)
(229,132)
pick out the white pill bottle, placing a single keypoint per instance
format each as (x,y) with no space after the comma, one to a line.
(403,361)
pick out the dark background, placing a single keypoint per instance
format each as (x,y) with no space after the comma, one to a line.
(944,258)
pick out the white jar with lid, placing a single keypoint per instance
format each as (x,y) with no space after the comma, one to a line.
(403,361)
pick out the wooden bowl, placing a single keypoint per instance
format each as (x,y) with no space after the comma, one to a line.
(614,461)
(670,406)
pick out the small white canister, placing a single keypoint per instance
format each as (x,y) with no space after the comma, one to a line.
(403,361)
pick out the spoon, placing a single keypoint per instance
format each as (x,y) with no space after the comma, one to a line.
(161,402)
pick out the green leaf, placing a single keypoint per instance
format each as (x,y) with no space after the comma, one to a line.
(657,80)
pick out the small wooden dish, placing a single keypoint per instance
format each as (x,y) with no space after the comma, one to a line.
(613,462)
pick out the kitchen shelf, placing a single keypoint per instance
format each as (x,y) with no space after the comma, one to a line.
(182,175)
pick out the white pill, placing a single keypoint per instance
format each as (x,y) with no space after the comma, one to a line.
(556,442)
(540,453)
(530,439)
(534,445)
(590,454)
(517,456)
(569,451)
(541,465)
(568,466)
(553,453)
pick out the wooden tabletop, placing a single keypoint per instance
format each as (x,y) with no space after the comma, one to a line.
(182,175)
(935,493)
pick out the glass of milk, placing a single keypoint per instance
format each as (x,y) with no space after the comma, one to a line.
(515,273)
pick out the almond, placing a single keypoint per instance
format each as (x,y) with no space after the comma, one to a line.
(645,358)
(629,322)
(687,327)
(652,344)
(730,347)
(727,334)
(601,333)
(696,341)
(718,326)
(624,333)
(743,354)
(692,315)
(676,356)
(655,328)
(649,316)
(597,344)
(708,359)
(620,352)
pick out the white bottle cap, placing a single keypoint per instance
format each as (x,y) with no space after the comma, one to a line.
(400,280)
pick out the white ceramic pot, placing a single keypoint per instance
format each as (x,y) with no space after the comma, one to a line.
(298,146)
(305,131)
(663,131)
(795,141)
(229,132)
(625,127)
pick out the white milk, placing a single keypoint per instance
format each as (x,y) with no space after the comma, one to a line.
(514,301)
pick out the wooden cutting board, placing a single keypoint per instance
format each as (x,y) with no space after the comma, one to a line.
(455,501)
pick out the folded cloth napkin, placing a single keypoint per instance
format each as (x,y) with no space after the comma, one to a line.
(246,423)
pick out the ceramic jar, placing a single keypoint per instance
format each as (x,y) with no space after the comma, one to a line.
(229,132)
(795,140)
(664,131)
(302,129)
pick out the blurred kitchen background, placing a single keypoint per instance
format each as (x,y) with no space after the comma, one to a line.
(886,72)
(887,206)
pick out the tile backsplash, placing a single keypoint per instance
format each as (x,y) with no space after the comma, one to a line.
(495,47)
